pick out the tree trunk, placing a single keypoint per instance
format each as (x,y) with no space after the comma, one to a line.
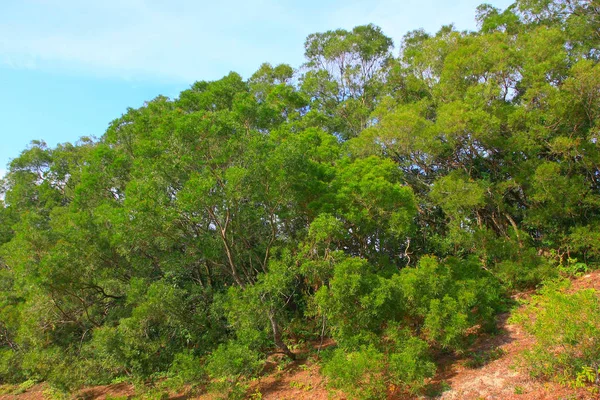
(277,337)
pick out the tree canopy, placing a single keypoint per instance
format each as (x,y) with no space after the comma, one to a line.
(390,201)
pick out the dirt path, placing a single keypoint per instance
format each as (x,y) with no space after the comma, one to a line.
(502,378)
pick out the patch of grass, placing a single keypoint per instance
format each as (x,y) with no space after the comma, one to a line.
(436,390)
(56,394)
(300,385)
(567,330)
(304,367)
(120,379)
(284,363)
(7,389)
(109,397)
(479,359)
(256,395)
(229,390)
(574,268)
(25,386)
(519,390)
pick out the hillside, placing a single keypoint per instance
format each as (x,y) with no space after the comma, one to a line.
(492,369)
(390,201)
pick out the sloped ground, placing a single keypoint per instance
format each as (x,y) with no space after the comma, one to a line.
(34,393)
(302,381)
(493,373)
(502,378)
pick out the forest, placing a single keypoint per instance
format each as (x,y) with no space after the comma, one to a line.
(389,200)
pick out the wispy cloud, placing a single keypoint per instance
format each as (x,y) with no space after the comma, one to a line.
(179,40)
(185,40)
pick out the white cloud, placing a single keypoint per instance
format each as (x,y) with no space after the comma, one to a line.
(185,40)
(179,40)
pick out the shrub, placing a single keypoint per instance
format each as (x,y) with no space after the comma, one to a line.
(232,360)
(401,360)
(449,298)
(409,365)
(524,273)
(360,374)
(567,328)
(145,343)
(186,369)
(10,366)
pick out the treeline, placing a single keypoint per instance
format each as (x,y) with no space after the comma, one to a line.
(389,202)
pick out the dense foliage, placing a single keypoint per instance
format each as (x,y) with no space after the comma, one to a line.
(388,202)
(567,330)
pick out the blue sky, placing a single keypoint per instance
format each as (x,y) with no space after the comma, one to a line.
(69,67)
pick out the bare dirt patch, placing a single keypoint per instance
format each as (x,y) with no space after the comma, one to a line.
(588,281)
(504,378)
(36,392)
(121,390)
(501,378)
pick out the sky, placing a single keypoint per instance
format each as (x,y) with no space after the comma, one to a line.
(69,67)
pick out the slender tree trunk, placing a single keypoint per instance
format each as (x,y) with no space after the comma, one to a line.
(515,227)
(277,337)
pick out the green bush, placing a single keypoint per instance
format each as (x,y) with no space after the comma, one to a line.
(232,360)
(229,390)
(359,374)
(448,298)
(567,330)
(366,373)
(186,369)
(146,342)
(358,302)
(527,271)
(10,366)
(409,362)
(54,366)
